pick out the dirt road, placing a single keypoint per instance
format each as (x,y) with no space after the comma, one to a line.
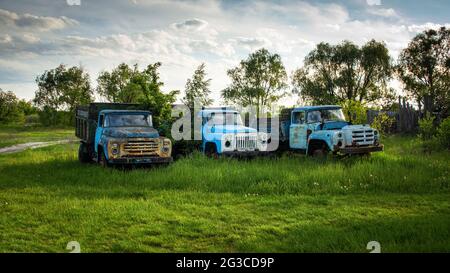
(32,145)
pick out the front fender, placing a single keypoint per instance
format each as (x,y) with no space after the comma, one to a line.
(325,136)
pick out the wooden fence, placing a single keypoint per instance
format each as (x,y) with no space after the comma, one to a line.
(406,119)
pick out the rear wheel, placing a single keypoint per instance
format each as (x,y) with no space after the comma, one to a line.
(83,153)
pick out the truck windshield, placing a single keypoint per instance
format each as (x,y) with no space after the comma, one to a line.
(225,119)
(128,120)
(326,115)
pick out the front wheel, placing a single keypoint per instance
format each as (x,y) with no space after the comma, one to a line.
(320,152)
(102,160)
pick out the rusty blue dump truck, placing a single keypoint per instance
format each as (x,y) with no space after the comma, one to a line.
(115,133)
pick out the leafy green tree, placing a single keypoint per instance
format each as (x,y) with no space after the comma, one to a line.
(9,108)
(63,88)
(130,85)
(27,107)
(117,86)
(197,89)
(258,81)
(424,69)
(149,83)
(337,73)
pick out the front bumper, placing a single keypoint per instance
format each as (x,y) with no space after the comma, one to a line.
(245,153)
(141,160)
(361,149)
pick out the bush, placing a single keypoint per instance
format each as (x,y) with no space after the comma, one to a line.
(443,133)
(50,117)
(10,111)
(426,127)
(383,123)
(32,119)
(355,112)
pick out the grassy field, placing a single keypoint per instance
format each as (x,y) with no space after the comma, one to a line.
(17,134)
(400,198)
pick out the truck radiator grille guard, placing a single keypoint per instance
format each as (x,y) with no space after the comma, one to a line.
(245,142)
(141,148)
(363,137)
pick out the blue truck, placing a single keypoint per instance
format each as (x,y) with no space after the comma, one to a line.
(223,133)
(319,130)
(114,133)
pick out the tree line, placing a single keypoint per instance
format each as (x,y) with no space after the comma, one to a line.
(344,73)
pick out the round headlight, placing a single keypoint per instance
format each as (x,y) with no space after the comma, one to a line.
(115,148)
(375,132)
(339,135)
(227,144)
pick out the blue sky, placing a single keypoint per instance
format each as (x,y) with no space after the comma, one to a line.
(36,35)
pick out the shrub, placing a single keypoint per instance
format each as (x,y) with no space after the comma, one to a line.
(32,119)
(443,133)
(426,127)
(50,117)
(383,123)
(355,112)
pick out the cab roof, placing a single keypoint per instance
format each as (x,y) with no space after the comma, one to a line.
(124,111)
(321,107)
(209,111)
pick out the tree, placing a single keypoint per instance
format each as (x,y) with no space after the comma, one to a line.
(9,107)
(63,88)
(130,85)
(335,74)
(197,89)
(257,81)
(424,69)
(159,103)
(116,86)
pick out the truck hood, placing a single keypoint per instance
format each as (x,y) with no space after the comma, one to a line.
(232,129)
(131,132)
(332,125)
(356,127)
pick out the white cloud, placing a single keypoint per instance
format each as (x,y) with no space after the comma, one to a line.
(191,25)
(32,22)
(373,2)
(426,26)
(383,12)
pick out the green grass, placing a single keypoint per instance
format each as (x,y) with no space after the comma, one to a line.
(400,198)
(17,134)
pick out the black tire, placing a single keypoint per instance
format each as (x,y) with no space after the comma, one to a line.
(211,151)
(102,159)
(83,154)
(320,151)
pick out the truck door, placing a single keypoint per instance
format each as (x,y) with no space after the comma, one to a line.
(297,130)
(99,131)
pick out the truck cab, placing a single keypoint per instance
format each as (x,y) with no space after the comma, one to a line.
(121,136)
(223,133)
(317,130)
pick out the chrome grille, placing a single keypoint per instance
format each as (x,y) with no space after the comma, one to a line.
(245,142)
(135,148)
(363,137)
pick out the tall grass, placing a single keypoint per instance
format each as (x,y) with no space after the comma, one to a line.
(287,204)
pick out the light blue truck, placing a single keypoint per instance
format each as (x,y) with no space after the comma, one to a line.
(319,130)
(223,133)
